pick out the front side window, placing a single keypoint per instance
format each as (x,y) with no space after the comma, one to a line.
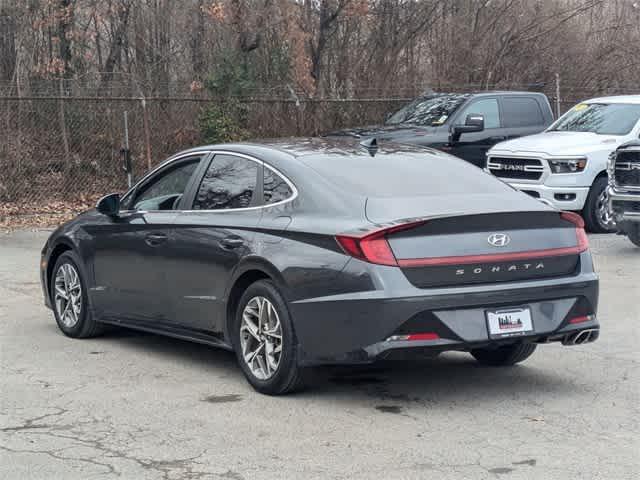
(276,188)
(164,190)
(521,112)
(488,108)
(229,182)
(600,118)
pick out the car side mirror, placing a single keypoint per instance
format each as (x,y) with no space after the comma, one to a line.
(109,205)
(473,123)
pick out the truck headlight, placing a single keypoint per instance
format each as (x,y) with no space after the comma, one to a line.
(568,165)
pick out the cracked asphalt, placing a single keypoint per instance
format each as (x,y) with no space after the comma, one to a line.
(139,406)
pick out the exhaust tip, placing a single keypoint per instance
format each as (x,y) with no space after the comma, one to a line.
(581,337)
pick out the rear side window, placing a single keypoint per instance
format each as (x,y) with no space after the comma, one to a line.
(276,189)
(521,112)
(488,108)
(229,182)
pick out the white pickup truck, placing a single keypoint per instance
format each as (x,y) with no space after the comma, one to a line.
(566,165)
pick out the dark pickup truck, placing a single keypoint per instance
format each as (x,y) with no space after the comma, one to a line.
(466,125)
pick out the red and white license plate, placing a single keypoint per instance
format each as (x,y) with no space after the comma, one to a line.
(509,322)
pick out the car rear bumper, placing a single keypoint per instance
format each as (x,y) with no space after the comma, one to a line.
(357,327)
(563,198)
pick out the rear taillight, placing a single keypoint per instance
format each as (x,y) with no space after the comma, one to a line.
(581,235)
(372,246)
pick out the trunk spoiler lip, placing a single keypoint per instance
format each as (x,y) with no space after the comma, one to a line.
(407,223)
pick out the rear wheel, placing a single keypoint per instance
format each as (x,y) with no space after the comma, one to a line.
(505,355)
(597,216)
(70,299)
(265,342)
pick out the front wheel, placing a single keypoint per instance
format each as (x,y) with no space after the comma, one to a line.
(505,355)
(265,342)
(596,214)
(70,299)
(634,235)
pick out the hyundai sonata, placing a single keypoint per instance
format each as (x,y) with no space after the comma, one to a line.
(301,252)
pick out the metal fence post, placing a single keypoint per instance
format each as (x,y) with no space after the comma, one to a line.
(147,132)
(557,95)
(63,125)
(126,153)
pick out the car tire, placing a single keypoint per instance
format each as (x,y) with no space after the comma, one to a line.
(262,315)
(70,300)
(504,356)
(596,216)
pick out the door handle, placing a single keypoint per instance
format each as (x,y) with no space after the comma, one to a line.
(497,138)
(229,243)
(155,239)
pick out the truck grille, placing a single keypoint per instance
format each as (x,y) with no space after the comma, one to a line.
(627,174)
(516,168)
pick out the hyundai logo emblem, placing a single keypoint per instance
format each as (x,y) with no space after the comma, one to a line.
(499,239)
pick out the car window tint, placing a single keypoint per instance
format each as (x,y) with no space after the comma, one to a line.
(488,108)
(164,190)
(521,112)
(229,183)
(276,188)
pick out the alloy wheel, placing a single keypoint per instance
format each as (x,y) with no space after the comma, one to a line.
(68,295)
(261,337)
(604,217)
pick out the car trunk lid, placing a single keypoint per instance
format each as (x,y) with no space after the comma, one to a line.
(449,248)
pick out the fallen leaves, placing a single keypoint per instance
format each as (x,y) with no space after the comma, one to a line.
(27,215)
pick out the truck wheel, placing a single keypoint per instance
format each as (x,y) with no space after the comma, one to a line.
(596,214)
(634,235)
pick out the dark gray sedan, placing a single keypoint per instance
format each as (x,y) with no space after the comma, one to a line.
(303,252)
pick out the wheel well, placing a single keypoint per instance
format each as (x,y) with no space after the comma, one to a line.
(53,258)
(241,284)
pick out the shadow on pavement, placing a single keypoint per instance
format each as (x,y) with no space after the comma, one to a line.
(450,378)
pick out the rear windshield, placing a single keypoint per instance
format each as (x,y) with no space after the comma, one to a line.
(600,118)
(403,174)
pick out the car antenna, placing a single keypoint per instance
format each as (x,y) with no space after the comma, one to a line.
(371,144)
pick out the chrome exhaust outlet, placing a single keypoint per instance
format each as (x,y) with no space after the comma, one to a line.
(581,337)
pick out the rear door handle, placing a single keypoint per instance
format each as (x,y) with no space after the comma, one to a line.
(497,139)
(155,239)
(229,243)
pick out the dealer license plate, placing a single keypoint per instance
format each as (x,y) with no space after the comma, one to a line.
(509,322)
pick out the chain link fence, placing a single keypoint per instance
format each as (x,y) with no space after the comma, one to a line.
(58,152)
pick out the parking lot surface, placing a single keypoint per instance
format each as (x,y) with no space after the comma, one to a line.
(139,406)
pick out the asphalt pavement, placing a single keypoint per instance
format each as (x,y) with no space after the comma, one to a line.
(138,406)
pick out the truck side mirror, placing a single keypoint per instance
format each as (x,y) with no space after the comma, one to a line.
(473,123)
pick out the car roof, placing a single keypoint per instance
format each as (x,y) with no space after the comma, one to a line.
(505,92)
(634,99)
(304,146)
(483,93)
